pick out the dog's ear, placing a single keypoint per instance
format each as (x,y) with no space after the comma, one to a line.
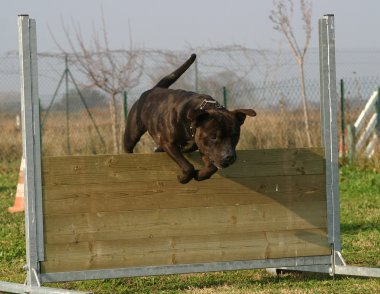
(242,113)
(197,116)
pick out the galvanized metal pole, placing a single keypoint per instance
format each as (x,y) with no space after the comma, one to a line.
(330,128)
(31,147)
(37,140)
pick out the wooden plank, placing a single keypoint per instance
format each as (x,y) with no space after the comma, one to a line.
(159,194)
(165,230)
(184,221)
(153,161)
(183,216)
(103,169)
(180,250)
(136,246)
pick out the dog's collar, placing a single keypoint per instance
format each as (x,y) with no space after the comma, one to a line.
(212,102)
(203,104)
(192,131)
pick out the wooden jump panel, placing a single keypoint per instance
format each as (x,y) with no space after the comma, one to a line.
(103,212)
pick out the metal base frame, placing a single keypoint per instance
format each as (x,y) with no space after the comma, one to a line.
(332,264)
(186,268)
(23,288)
(340,268)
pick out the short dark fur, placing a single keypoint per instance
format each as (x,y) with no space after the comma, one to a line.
(182,121)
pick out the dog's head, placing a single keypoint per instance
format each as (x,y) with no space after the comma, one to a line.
(218,132)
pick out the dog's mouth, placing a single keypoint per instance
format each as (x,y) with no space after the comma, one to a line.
(218,166)
(224,163)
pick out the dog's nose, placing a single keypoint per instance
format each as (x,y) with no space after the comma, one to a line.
(229,159)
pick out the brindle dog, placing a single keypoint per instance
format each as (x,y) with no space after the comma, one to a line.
(182,121)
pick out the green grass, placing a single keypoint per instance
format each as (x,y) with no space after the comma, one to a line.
(360,214)
(12,240)
(360,226)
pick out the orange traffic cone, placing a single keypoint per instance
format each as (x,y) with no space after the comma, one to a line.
(19,200)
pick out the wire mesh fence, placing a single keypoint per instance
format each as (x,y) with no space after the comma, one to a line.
(76,116)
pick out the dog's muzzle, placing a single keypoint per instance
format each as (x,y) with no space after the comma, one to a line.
(228,160)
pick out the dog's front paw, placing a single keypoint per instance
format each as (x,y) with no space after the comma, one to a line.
(205,173)
(186,177)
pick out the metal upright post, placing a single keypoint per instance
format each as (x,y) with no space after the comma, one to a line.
(31,147)
(329,129)
(37,139)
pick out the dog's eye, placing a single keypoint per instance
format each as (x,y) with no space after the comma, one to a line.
(213,136)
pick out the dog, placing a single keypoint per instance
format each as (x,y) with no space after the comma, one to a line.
(181,121)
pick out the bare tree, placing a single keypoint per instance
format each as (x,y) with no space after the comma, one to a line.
(113,71)
(281,16)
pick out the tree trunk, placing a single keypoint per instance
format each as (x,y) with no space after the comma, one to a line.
(114,124)
(304,100)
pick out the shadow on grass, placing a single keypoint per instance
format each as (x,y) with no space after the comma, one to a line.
(358,227)
(192,282)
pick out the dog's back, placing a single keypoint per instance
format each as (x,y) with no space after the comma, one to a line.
(142,111)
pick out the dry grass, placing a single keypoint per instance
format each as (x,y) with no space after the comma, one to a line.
(270,129)
(278,129)
(10,139)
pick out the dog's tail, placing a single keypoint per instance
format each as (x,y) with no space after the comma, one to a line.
(167,81)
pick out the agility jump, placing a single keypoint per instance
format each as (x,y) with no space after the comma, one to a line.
(110,216)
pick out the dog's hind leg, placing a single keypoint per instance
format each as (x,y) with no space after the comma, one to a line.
(131,137)
(133,131)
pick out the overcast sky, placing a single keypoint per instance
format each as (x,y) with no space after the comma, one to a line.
(175,24)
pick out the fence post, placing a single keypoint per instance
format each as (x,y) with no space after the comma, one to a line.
(377,106)
(196,75)
(225,97)
(125,107)
(351,133)
(342,115)
(67,107)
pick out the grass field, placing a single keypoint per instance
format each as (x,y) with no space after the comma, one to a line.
(360,213)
